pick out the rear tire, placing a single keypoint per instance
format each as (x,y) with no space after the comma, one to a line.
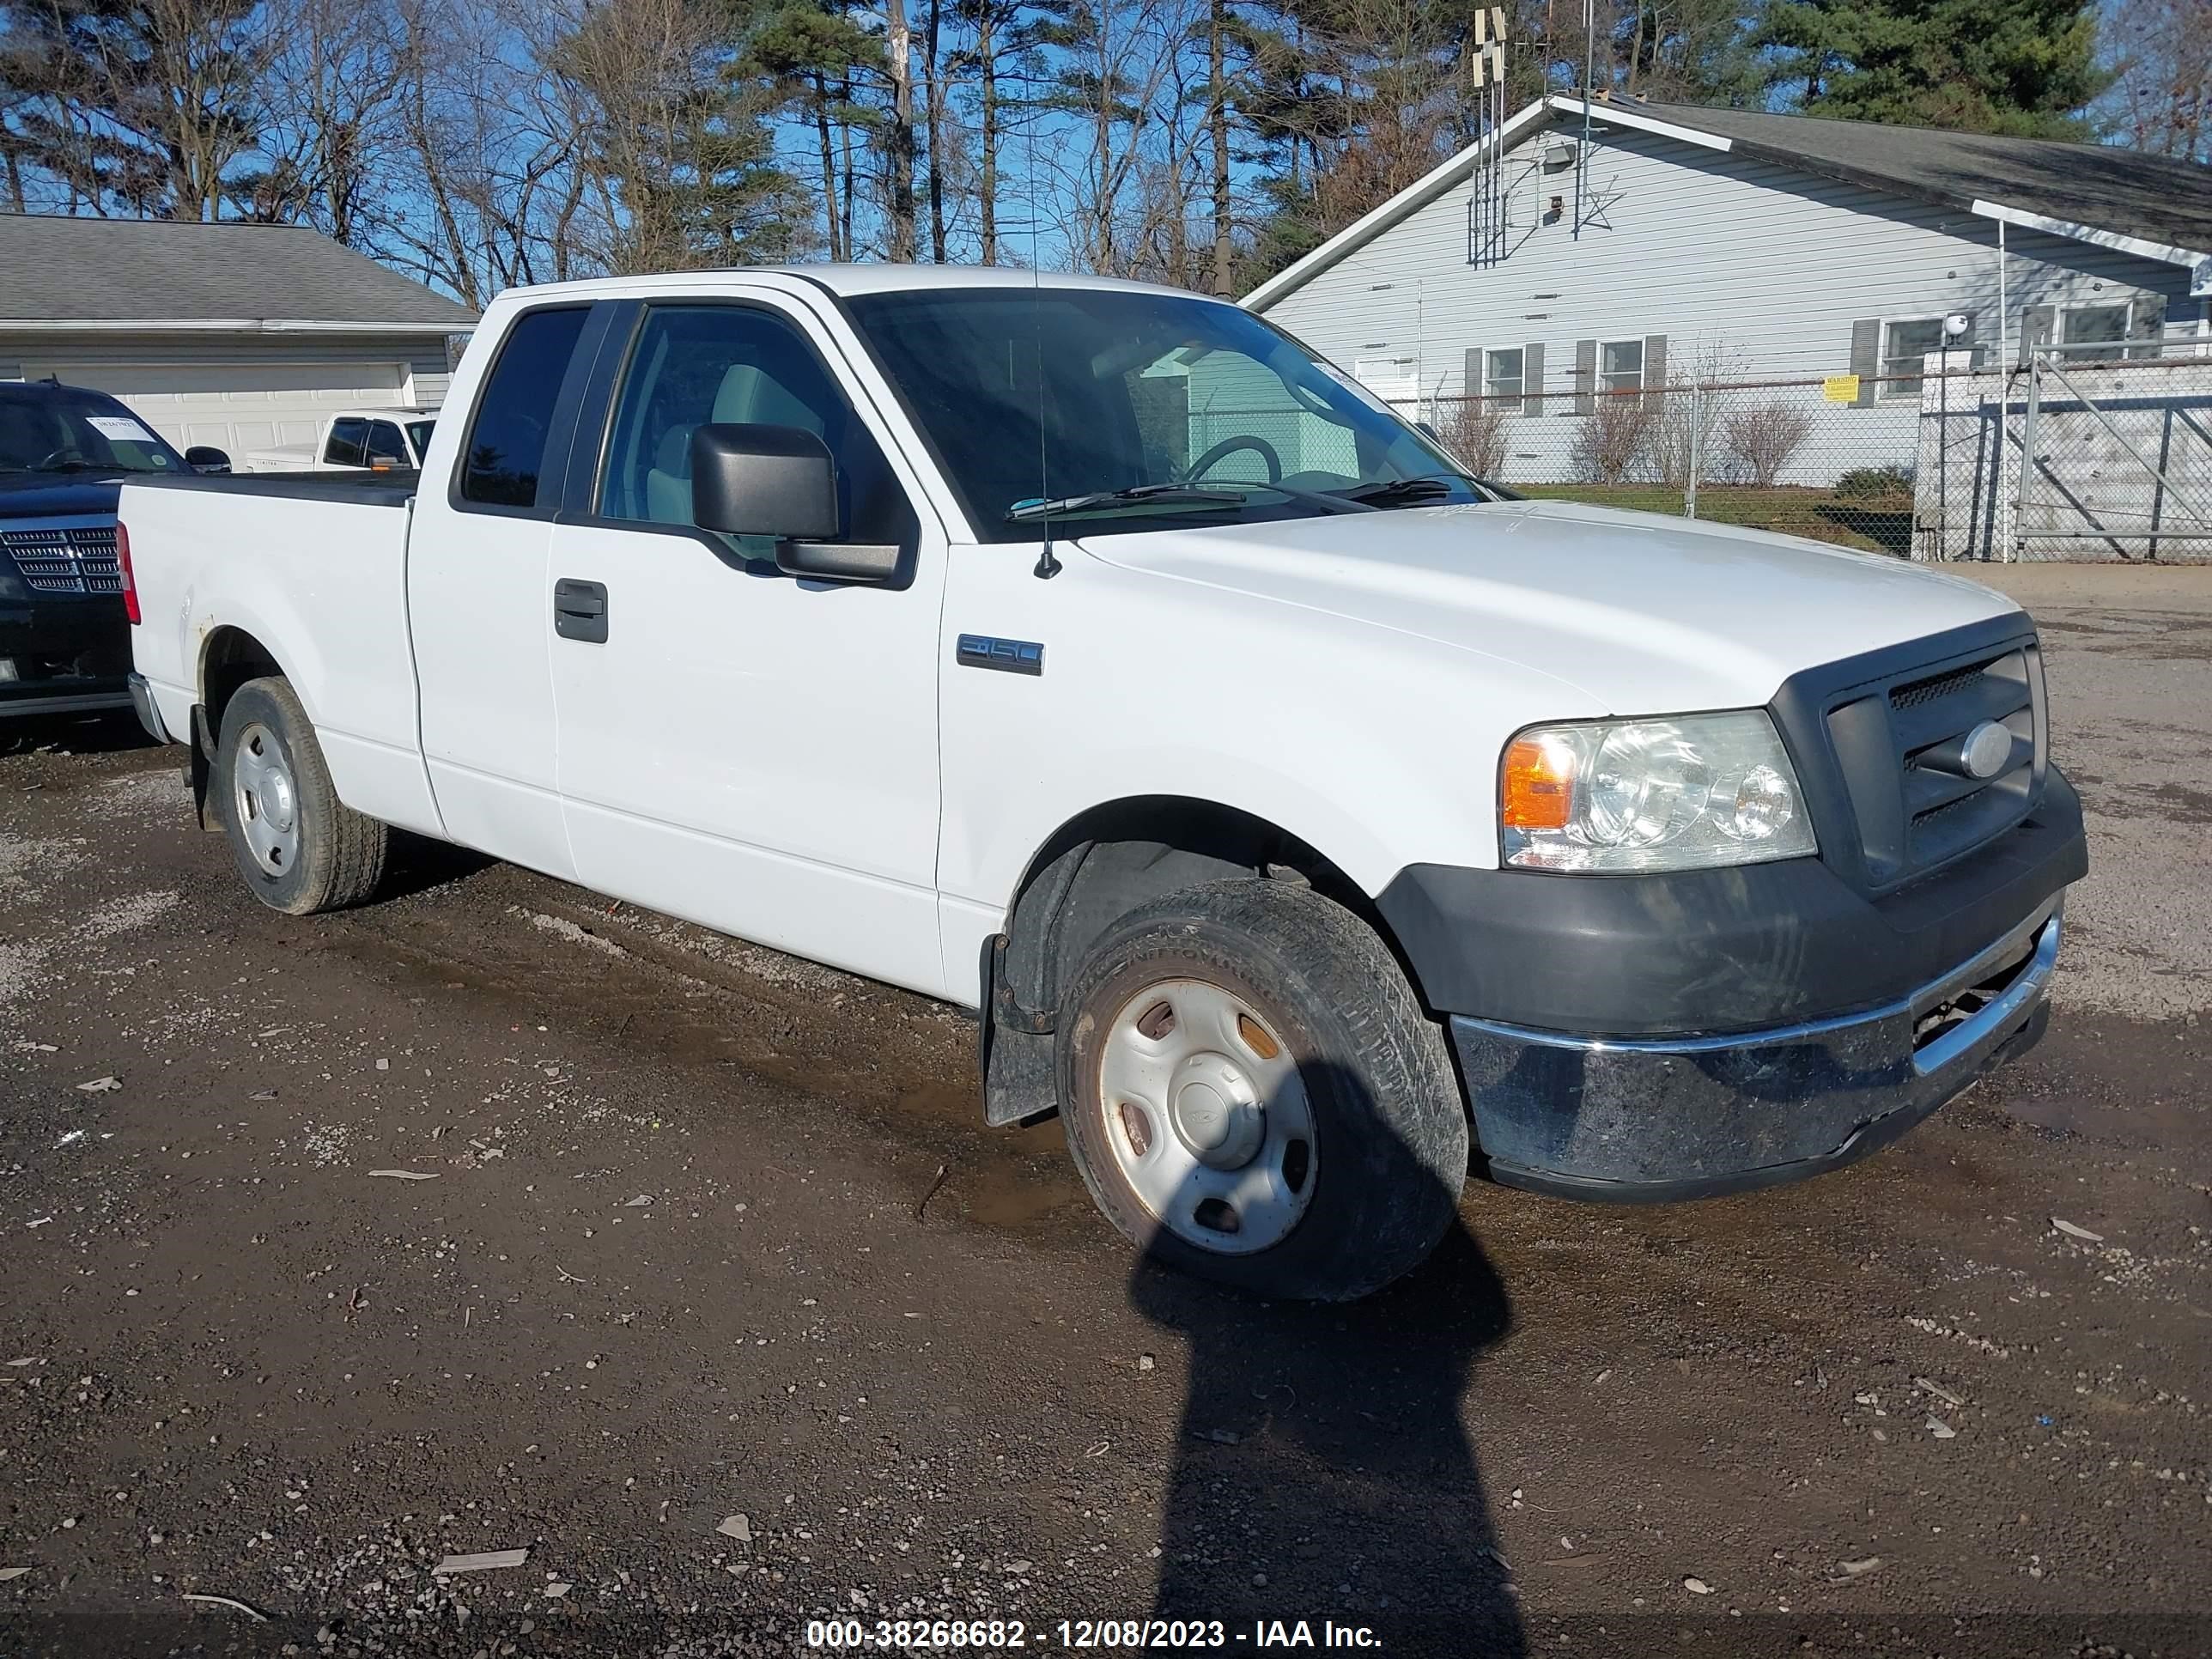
(1253,1093)
(298,847)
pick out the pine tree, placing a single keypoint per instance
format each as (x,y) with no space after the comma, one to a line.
(2026,68)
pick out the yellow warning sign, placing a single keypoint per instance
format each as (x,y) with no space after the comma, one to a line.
(1840,388)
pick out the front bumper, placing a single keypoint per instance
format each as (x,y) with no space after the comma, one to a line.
(1662,1119)
(66,655)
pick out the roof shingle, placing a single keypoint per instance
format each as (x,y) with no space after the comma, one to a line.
(2156,198)
(57,269)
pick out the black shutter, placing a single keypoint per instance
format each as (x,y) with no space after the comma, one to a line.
(1472,373)
(1532,380)
(1866,357)
(2039,330)
(1655,362)
(1585,377)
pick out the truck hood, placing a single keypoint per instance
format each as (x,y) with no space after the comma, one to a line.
(1645,613)
(56,495)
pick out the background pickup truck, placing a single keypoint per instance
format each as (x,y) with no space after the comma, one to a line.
(1304,820)
(65,646)
(355,441)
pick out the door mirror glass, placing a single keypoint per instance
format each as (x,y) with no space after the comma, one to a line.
(775,481)
(206,458)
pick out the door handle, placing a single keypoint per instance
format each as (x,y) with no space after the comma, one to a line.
(579,610)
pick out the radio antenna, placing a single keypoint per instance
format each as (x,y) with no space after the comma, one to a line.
(1047,565)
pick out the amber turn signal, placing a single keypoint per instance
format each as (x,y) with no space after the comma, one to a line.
(1537,788)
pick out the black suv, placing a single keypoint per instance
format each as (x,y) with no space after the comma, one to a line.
(65,644)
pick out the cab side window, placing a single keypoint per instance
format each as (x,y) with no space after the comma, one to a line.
(348,443)
(385,446)
(504,463)
(693,365)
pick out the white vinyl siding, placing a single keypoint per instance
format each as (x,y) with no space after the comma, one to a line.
(1756,269)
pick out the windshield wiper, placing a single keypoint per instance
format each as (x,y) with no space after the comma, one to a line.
(1187,494)
(1204,496)
(1398,492)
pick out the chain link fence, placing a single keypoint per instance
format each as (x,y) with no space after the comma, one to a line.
(1933,465)
(1771,454)
(1925,465)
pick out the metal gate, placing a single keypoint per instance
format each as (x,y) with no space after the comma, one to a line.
(2115,460)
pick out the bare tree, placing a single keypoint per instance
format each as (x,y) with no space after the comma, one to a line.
(1761,440)
(335,86)
(898,138)
(1474,433)
(1615,442)
(2161,98)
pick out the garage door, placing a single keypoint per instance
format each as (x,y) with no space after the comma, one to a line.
(235,408)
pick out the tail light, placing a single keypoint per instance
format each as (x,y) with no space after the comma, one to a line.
(129,578)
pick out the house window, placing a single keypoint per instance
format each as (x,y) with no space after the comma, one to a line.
(2093,334)
(1502,376)
(1621,365)
(1905,341)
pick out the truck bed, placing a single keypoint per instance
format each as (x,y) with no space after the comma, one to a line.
(262,567)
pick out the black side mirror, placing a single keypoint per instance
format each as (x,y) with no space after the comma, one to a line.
(763,480)
(206,458)
(1427,431)
(780,481)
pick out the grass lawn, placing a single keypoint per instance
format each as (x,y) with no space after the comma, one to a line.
(1877,524)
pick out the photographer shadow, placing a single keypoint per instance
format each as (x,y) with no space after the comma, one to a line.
(1324,1469)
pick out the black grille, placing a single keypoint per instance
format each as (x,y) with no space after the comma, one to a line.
(1934,688)
(1900,747)
(73,560)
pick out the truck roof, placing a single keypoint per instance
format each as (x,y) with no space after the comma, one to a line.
(846,280)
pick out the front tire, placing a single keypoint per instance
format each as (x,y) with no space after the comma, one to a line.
(1253,1093)
(298,847)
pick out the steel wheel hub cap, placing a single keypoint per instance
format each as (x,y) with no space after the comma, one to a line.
(1207,1117)
(267,805)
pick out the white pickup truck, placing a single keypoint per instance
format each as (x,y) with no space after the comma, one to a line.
(355,441)
(1307,822)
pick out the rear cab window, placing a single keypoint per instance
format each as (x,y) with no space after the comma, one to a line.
(504,462)
(386,448)
(347,446)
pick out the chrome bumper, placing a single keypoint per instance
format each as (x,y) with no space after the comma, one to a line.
(1694,1116)
(148,711)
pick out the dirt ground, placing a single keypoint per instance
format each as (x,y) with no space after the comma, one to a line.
(482,1218)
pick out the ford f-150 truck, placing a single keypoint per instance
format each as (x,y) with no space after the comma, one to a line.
(354,440)
(1306,821)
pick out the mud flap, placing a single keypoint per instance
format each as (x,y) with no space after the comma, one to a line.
(1017,1053)
(199,769)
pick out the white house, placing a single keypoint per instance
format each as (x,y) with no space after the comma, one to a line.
(1630,244)
(241,336)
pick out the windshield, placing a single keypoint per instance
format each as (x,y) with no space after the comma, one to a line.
(1094,407)
(55,429)
(418,433)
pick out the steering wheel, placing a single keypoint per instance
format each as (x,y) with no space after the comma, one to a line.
(1227,446)
(55,462)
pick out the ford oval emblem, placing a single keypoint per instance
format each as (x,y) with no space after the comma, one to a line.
(1987,749)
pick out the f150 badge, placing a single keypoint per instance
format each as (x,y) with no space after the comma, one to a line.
(1007,656)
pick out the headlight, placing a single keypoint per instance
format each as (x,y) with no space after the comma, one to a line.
(1689,794)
